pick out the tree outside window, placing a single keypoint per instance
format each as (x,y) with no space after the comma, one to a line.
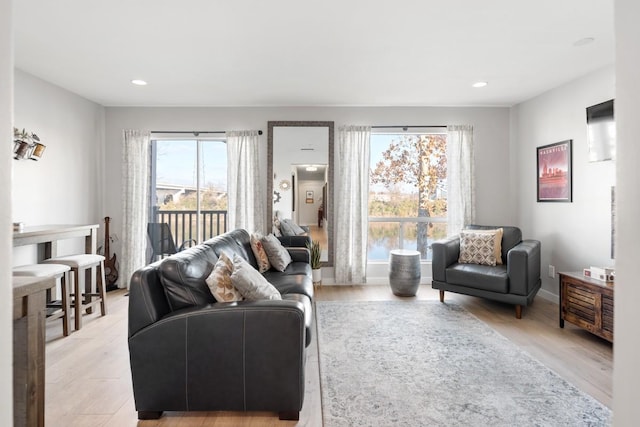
(407,180)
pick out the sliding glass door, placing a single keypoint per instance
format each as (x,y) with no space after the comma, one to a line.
(189,187)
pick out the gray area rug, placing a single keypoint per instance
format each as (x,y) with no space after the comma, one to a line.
(424,363)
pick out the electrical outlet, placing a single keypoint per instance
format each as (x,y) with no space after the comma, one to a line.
(552,271)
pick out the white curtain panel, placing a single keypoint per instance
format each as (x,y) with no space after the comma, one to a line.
(460,178)
(135,202)
(246,198)
(351,204)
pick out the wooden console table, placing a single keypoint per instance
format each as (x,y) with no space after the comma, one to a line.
(587,303)
(29,312)
(47,237)
(29,316)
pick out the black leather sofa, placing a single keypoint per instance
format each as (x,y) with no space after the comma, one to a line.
(516,281)
(190,353)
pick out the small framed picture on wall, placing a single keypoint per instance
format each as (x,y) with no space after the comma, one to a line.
(309,196)
(554,172)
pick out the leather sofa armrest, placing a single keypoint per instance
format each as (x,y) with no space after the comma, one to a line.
(523,267)
(250,351)
(295,241)
(445,252)
(300,255)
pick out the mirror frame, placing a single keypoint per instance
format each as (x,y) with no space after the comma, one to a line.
(328,204)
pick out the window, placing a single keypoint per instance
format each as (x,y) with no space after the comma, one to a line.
(407,192)
(189,187)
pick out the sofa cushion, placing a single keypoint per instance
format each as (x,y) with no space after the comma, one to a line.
(485,277)
(291,283)
(278,256)
(251,284)
(477,248)
(183,277)
(258,250)
(219,281)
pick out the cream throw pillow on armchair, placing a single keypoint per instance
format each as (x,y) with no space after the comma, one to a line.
(497,244)
(477,248)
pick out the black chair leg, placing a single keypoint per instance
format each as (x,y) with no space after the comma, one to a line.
(149,415)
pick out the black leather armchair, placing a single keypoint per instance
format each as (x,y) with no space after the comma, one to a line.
(516,281)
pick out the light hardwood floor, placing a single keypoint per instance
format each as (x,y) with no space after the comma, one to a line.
(88,381)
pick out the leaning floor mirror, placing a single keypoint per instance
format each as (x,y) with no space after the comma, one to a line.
(300,171)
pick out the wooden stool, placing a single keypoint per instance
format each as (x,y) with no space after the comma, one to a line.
(82,269)
(55,309)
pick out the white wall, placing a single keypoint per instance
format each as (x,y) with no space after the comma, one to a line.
(6,290)
(64,187)
(626,411)
(573,235)
(491,136)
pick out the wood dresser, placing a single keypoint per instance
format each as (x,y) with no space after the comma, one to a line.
(587,303)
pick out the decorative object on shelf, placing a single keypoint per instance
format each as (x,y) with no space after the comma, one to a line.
(314,248)
(604,274)
(285,185)
(554,172)
(26,145)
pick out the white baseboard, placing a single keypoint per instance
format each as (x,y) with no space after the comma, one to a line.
(549,296)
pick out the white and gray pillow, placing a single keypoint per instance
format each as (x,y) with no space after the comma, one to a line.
(279,257)
(286,228)
(291,227)
(250,283)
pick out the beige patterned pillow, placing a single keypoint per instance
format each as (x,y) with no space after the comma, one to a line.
(219,281)
(497,244)
(477,248)
(260,253)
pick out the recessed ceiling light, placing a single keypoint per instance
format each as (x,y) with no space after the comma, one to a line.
(479,84)
(311,168)
(139,82)
(584,41)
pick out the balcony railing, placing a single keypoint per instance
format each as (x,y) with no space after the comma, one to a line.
(415,233)
(183,224)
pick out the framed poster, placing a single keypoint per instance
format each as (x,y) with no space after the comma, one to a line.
(554,172)
(309,196)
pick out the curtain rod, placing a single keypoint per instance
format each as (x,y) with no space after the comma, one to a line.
(194,132)
(407,127)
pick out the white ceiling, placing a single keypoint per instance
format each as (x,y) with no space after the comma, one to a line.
(311,52)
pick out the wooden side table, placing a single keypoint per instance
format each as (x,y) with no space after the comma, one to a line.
(587,303)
